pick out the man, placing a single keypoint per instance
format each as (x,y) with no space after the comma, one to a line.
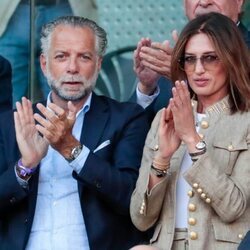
(152,59)
(66,181)
(5,85)
(15,35)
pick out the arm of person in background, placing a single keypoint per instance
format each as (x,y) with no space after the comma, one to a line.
(5,85)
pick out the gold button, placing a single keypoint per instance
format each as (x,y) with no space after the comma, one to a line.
(191,207)
(204,124)
(193,236)
(191,221)
(199,190)
(230,147)
(156,147)
(203,196)
(240,236)
(208,200)
(190,193)
(195,185)
(202,136)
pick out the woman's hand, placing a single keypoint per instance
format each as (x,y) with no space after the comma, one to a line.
(183,117)
(169,140)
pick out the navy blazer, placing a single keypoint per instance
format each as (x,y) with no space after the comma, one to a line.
(105,182)
(245,243)
(5,85)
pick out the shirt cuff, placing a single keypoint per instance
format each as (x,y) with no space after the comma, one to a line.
(79,162)
(146,100)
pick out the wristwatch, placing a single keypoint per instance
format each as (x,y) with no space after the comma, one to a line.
(201,146)
(74,153)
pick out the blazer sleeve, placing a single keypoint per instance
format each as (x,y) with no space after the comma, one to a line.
(145,206)
(11,193)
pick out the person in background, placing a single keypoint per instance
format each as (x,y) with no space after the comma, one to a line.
(66,180)
(5,85)
(152,60)
(15,35)
(193,186)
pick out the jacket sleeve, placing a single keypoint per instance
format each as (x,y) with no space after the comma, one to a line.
(145,207)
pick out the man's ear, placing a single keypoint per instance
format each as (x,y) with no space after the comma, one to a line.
(43,64)
(99,63)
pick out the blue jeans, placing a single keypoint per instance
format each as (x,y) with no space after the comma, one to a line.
(15,45)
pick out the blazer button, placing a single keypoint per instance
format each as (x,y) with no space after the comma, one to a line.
(193,236)
(190,193)
(195,185)
(97,184)
(203,196)
(204,124)
(191,221)
(208,200)
(240,236)
(191,207)
(156,147)
(199,190)
(12,200)
(230,147)
(26,221)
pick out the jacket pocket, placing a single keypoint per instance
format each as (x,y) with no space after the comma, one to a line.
(233,232)
(226,152)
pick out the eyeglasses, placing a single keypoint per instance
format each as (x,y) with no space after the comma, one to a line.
(208,61)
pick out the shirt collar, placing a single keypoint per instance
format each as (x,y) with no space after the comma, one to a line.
(85,108)
(222,106)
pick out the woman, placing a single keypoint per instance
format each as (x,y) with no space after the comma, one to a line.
(194,182)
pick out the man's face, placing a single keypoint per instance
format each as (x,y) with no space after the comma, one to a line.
(72,64)
(230,8)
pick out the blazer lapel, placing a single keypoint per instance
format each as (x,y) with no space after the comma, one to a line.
(94,122)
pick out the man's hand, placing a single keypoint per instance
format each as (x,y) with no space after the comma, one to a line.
(157,56)
(57,127)
(33,147)
(147,77)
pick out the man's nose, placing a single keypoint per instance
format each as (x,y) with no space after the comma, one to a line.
(205,2)
(72,66)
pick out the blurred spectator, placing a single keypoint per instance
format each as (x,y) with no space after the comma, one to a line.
(15,35)
(5,85)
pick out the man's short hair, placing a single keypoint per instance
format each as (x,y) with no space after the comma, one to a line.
(74,21)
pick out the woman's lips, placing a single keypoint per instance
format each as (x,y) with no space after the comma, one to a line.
(201,82)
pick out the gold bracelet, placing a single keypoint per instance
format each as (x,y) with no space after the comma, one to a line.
(160,164)
(160,172)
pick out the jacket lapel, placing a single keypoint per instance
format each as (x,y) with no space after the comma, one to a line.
(94,122)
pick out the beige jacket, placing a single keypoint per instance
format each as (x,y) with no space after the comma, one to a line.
(219,204)
(86,8)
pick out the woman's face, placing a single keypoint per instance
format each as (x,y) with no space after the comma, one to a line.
(205,73)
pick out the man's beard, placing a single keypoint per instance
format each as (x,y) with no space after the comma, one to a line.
(61,91)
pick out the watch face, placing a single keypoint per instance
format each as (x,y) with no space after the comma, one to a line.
(76,151)
(200,145)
